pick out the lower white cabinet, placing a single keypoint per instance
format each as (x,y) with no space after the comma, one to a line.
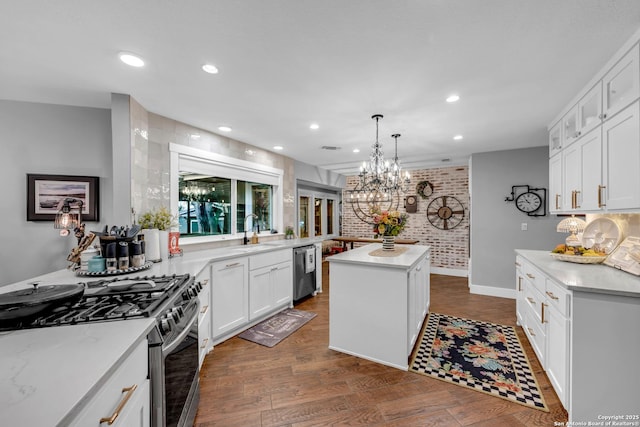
(543,311)
(419,297)
(124,400)
(229,295)
(270,282)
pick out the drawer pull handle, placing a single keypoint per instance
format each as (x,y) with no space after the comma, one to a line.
(112,419)
(557,201)
(518,264)
(235,264)
(204,282)
(531,276)
(542,306)
(531,332)
(520,283)
(204,309)
(531,300)
(600,188)
(552,296)
(204,343)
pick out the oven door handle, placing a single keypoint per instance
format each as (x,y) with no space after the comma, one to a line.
(170,346)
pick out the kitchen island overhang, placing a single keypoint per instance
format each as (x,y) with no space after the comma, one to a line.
(377,304)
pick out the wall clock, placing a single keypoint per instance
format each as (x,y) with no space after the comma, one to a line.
(531,201)
(424,189)
(445,212)
(411,204)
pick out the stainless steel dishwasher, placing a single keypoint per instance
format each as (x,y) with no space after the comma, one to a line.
(304,276)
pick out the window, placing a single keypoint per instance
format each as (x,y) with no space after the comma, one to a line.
(317,213)
(330,215)
(212,195)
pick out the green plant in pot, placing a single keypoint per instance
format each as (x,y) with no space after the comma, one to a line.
(156,225)
(288,232)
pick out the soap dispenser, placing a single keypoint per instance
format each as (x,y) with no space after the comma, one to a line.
(254,238)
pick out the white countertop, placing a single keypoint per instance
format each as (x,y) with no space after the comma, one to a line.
(597,278)
(47,374)
(360,255)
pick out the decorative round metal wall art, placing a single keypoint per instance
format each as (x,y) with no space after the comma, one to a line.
(424,189)
(445,212)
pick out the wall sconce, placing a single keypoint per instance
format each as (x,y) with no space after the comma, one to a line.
(69,217)
(573,226)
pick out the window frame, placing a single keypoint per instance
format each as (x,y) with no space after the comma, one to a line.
(200,161)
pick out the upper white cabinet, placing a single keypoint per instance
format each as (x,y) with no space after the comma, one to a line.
(594,147)
(622,83)
(621,159)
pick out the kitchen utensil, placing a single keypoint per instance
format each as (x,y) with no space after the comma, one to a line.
(31,301)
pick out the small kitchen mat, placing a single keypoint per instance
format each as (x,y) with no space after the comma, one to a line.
(273,330)
(482,356)
(398,250)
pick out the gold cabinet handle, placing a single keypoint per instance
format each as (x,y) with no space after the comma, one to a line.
(204,309)
(552,296)
(518,264)
(573,199)
(531,276)
(600,188)
(542,306)
(531,300)
(204,282)
(531,332)
(557,202)
(577,205)
(520,283)
(112,419)
(204,343)
(235,264)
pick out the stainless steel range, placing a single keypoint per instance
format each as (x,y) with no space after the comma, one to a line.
(173,343)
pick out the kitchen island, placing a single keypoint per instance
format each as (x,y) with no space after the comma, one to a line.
(378,302)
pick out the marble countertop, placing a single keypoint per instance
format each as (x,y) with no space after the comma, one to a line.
(361,255)
(47,374)
(597,278)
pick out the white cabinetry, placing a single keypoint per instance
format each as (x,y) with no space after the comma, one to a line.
(229,295)
(621,158)
(598,138)
(543,311)
(204,317)
(419,298)
(124,400)
(270,282)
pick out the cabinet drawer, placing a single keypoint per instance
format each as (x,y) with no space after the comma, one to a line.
(534,300)
(537,337)
(558,297)
(127,382)
(205,300)
(270,258)
(534,276)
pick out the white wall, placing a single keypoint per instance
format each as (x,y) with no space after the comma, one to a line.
(47,139)
(496,224)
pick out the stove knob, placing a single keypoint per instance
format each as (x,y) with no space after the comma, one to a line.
(175,314)
(165,326)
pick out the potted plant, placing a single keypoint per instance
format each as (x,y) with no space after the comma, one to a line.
(156,225)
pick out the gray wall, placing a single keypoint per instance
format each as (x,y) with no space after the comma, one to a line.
(496,224)
(318,177)
(47,139)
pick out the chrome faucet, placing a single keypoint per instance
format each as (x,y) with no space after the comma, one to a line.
(246,239)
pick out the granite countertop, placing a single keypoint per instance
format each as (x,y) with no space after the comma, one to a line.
(36,363)
(597,278)
(361,255)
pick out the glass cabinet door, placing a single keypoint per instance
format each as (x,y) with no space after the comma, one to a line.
(303,217)
(622,83)
(570,127)
(555,140)
(590,109)
(317,216)
(330,214)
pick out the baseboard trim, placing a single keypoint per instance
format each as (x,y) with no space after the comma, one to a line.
(450,272)
(492,291)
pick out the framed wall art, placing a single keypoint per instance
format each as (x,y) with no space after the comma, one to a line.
(45,192)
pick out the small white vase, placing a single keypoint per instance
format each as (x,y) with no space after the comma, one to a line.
(164,244)
(388,243)
(152,244)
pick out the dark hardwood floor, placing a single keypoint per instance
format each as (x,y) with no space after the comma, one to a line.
(300,382)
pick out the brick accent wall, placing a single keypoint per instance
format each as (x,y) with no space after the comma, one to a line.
(449,248)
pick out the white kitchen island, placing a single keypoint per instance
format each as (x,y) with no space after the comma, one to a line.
(377,304)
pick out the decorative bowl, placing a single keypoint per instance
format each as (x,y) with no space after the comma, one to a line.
(579,259)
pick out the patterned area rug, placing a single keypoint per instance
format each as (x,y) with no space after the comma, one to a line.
(482,356)
(273,330)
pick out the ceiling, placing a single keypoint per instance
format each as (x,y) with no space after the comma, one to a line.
(284,64)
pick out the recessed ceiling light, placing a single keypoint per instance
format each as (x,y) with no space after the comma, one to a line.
(457,137)
(210,68)
(224,128)
(278,147)
(131,59)
(453,98)
(356,150)
(314,126)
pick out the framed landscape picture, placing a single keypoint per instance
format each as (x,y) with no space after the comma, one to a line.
(45,192)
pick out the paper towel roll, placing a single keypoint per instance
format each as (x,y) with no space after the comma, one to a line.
(152,244)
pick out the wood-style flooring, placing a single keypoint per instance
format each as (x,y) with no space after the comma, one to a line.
(300,382)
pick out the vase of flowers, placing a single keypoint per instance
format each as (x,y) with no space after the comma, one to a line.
(388,224)
(156,225)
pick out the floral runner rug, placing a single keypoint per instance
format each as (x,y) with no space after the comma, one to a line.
(482,356)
